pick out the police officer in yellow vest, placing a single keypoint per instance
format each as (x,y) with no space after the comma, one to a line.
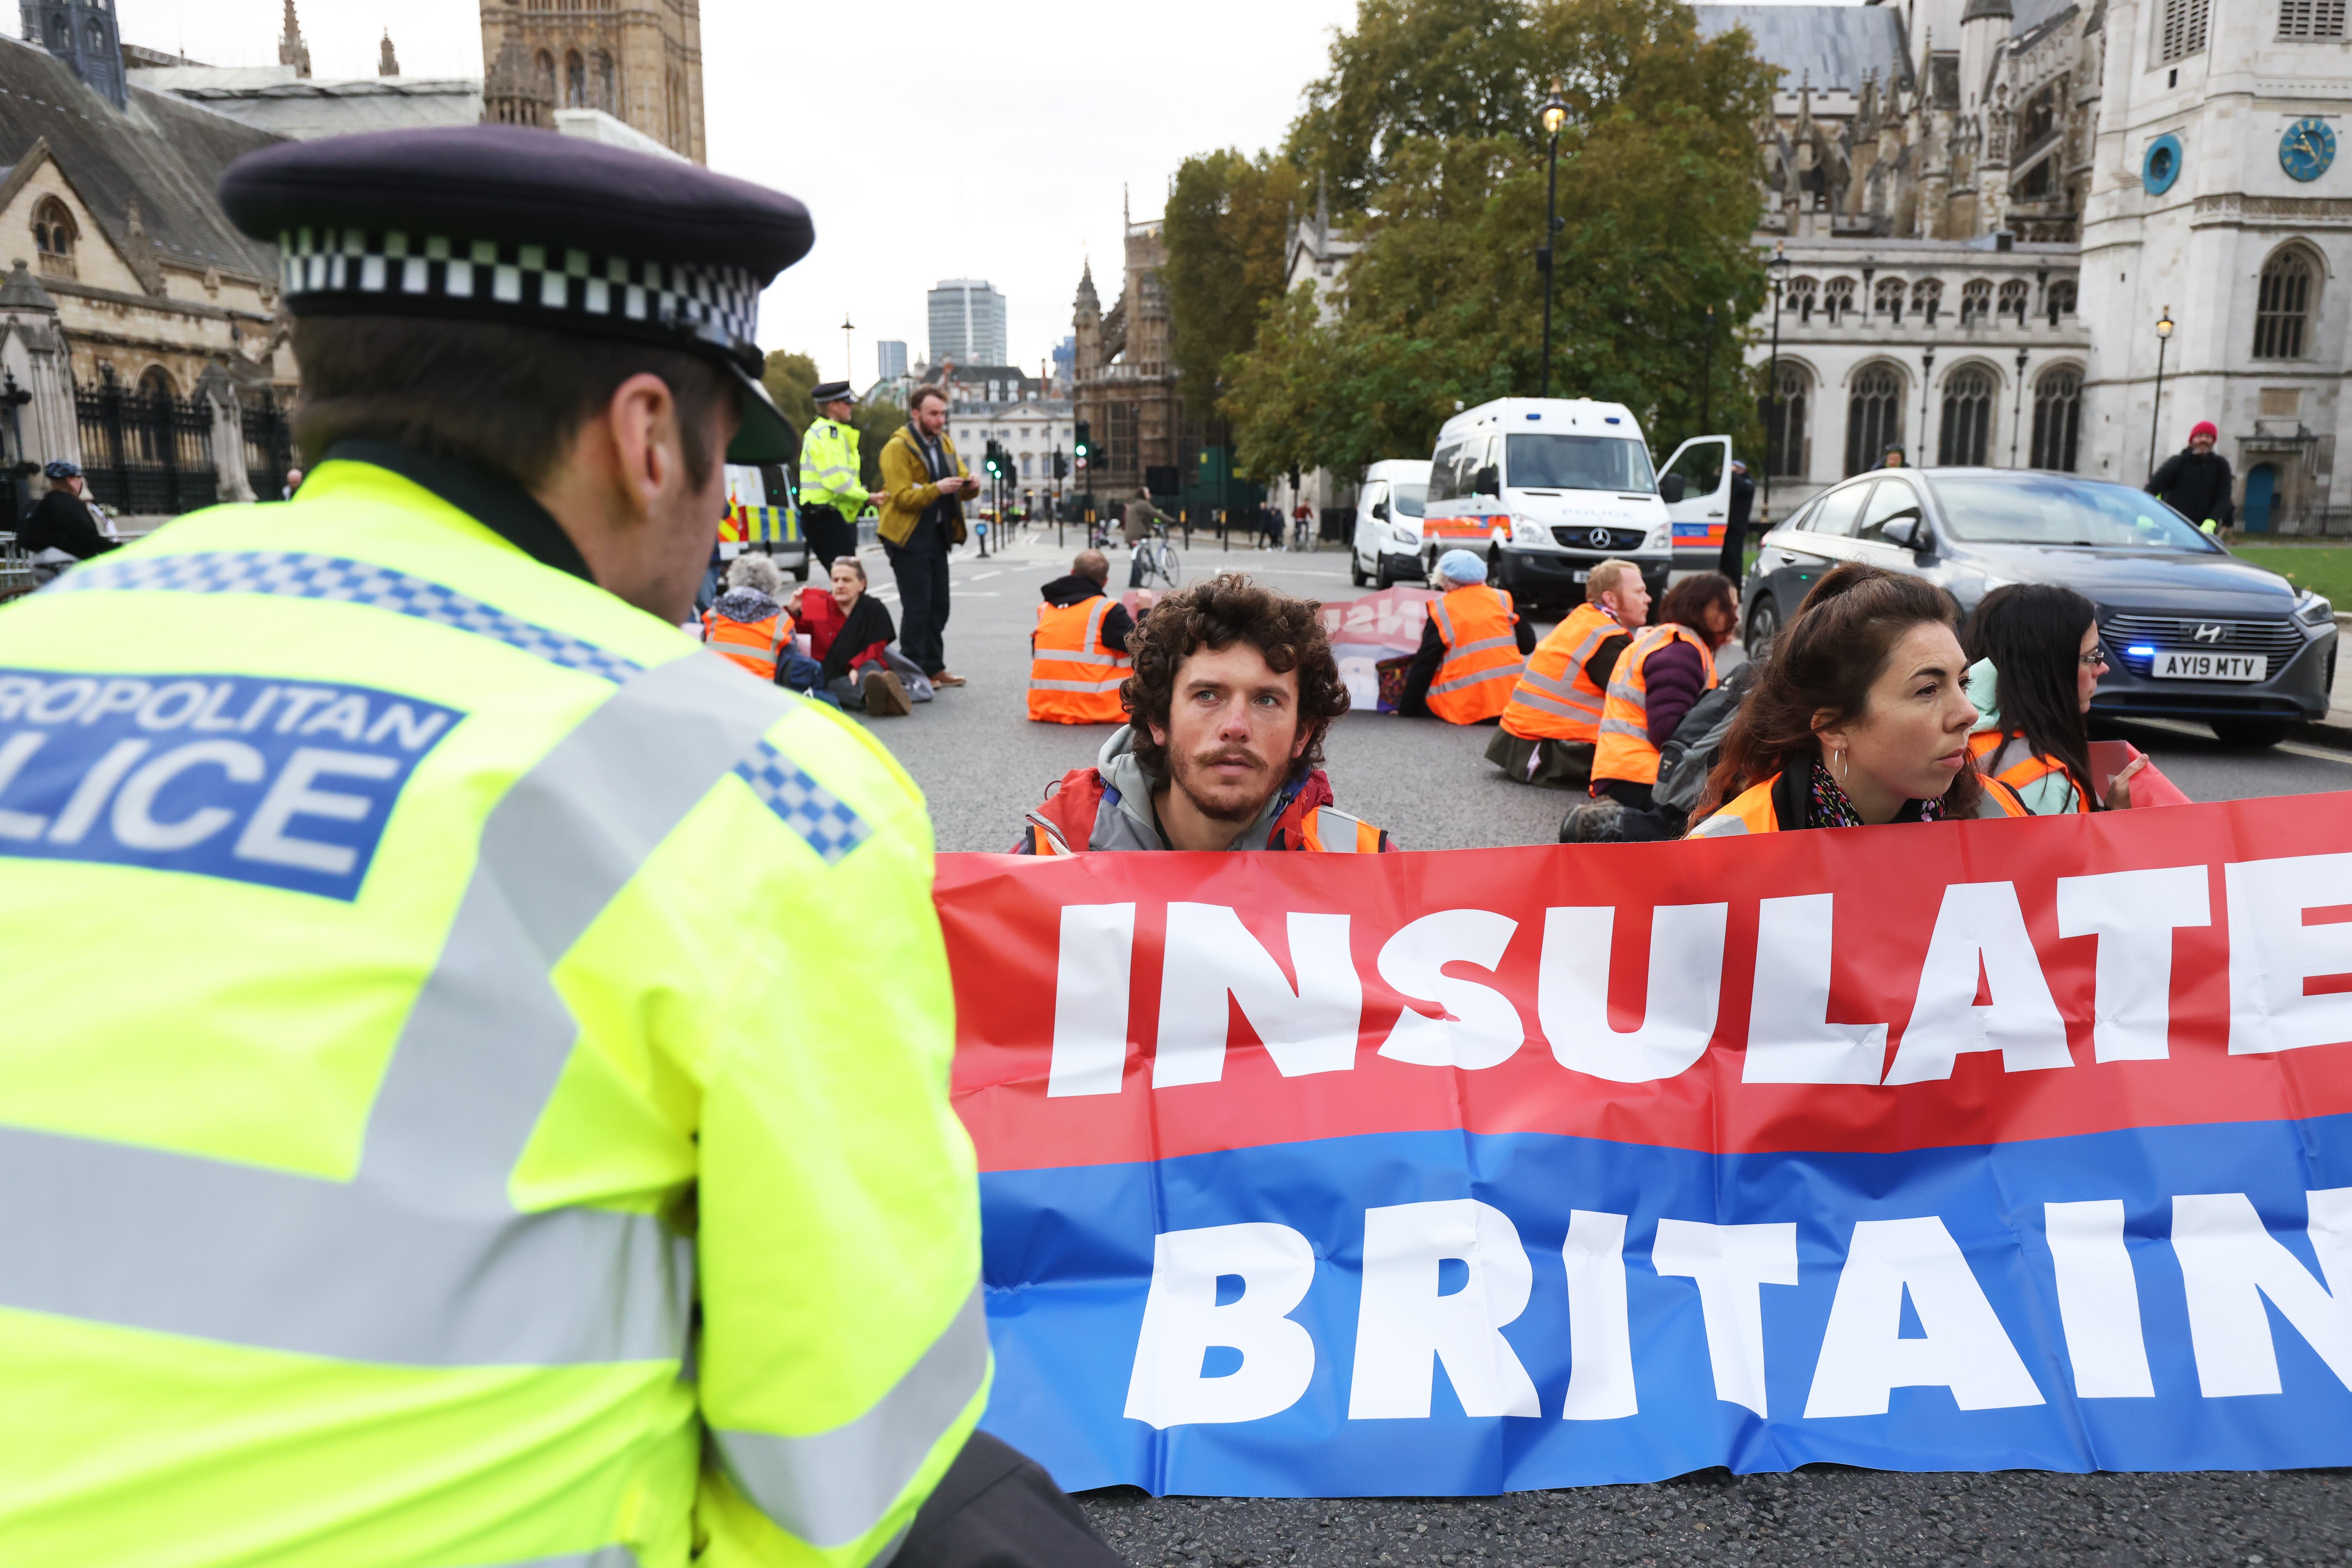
(831,496)
(486,1100)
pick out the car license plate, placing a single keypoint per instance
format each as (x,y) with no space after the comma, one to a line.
(1579,575)
(2175,666)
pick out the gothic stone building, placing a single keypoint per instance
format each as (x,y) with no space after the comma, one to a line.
(1125,386)
(1981,209)
(639,61)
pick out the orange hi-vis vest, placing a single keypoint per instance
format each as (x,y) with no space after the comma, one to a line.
(1074,676)
(1625,751)
(1482,655)
(1555,699)
(754,644)
(2018,775)
(1754,811)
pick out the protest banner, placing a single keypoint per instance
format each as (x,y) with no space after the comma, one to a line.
(1959,1146)
(1366,630)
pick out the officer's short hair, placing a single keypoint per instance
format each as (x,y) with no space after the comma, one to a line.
(1605,579)
(508,398)
(1216,612)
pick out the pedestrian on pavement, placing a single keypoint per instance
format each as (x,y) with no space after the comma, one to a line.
(1473,647)
(1733,564)
(2037,664)
(60,529)
(1234,688)
(831,493)
(2197,482)
(1270,520)
(1553,723)
(1860,717)
(476,1134)
(856,655)
(1078,653)
(924,486)
(749,624)
(1663,674)
(1893,459)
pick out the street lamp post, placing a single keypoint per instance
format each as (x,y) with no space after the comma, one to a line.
(2163,337)
(848,350)
(1926,380)
(2017,408)
(1778,267)
(1554,116)
(1707,379)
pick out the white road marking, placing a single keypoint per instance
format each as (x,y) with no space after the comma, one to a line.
(985,576)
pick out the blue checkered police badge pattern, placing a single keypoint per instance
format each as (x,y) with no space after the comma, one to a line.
(720,305)
(285,784)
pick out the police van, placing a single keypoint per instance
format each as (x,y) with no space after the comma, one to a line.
(1546,489)
(761,516)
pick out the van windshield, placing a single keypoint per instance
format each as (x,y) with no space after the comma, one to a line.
(1549,462)
(1410,499)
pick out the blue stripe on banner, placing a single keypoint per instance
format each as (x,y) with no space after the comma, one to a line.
(1936,1286)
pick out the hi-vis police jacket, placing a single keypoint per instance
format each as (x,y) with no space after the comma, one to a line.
(438,979)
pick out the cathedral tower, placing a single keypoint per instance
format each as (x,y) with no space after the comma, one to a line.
(82,34)
(639,61)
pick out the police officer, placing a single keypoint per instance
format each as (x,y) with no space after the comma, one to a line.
(831,494)
(525,1139)
(59,529)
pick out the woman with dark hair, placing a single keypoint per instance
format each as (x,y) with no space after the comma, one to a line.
(2036,661)
(1860,717)
(1660,678)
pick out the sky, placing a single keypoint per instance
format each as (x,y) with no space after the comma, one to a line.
(944,145)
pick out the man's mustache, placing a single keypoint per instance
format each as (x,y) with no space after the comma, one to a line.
(1215,758)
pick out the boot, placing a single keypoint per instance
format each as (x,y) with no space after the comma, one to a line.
(1597,821)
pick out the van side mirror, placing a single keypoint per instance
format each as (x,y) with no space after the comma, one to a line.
(1381,509)
(1906,532)
(1488,482)
(1670,488)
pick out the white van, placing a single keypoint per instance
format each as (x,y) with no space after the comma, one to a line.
(1546,489)
(1387,550)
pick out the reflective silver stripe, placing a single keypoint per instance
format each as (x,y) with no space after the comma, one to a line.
(421,1259)
(1544,704)
(1330,825)
(1444,622)
(1481,645)
(1040,685)
(1562,690)
(1504,673)
(828,1488)
(1084,656)
(1621,726)
(602,1557)
(1723,825)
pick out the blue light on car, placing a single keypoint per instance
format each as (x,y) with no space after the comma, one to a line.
(2141,651)
(1612,419)
(1535,416)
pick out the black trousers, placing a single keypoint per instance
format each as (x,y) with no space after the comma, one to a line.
(1733,562)
(921,570)
(828,533)
(1645,822)
(997,1507)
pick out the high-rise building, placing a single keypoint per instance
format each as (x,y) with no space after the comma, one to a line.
(967,322)
(890,359)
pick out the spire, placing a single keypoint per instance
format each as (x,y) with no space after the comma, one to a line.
(387,63)
(1125,217)
(291,49)
(512,93)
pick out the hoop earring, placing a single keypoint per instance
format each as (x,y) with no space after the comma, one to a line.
(1841,764)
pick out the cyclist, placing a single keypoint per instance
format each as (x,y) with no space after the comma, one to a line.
(1140,515)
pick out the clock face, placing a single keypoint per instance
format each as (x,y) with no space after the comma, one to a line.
(2306,149)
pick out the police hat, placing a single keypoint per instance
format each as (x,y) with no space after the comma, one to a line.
(825,393)
(497,223)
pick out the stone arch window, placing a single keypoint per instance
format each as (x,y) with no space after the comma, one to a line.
(54,234)
(2283,304)
(1889,302)
(1976,301)
(1927,298)
(1967,430)
(1837,299)
(1873,415)
(547,74)
(96,40)
(156,381)
(2013,298)
(605,99)
(60,33)
(575,81)
(1804,293)
(2061,299)
(1785,430)
(2058,418)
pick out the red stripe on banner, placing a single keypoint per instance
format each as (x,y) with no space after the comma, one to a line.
(1939,906)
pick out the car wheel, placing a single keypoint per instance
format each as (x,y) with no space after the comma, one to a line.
(800,572)
(1763,625)
(1356,569)
(2252,731)
(1382,576)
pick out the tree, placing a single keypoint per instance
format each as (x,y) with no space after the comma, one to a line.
(1227,228)
(790,377)
(1442,306)
(877,422)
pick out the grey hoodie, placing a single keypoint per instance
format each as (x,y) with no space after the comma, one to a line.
(1130,824)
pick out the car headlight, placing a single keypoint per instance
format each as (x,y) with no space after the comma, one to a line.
(1661,537)
(1529,533)
(2312,610)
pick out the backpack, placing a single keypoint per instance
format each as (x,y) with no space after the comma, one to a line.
(1697,745)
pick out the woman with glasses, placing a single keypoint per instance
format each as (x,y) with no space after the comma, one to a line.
(2034,662)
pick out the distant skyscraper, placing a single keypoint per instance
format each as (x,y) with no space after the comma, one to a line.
(967,322)
(890,358)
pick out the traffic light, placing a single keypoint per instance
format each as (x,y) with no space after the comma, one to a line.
(1085,446)
(1061,464)
(994,461)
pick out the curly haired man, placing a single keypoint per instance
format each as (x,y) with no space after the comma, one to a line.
(1234,690)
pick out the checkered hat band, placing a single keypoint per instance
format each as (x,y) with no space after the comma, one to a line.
(718,304)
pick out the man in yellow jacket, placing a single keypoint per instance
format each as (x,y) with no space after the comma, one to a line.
(524,1138)
(924,486)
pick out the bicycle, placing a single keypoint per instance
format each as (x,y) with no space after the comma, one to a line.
(1155,556)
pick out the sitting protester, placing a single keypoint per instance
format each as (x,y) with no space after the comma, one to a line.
(1473,647)
(1234,688)
(748,622)
(1553,721)
(2037,662)
(1860,717)
(857,669)
(1661,678)
(1078,653)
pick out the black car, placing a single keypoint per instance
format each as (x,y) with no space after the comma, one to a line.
(2192,632)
